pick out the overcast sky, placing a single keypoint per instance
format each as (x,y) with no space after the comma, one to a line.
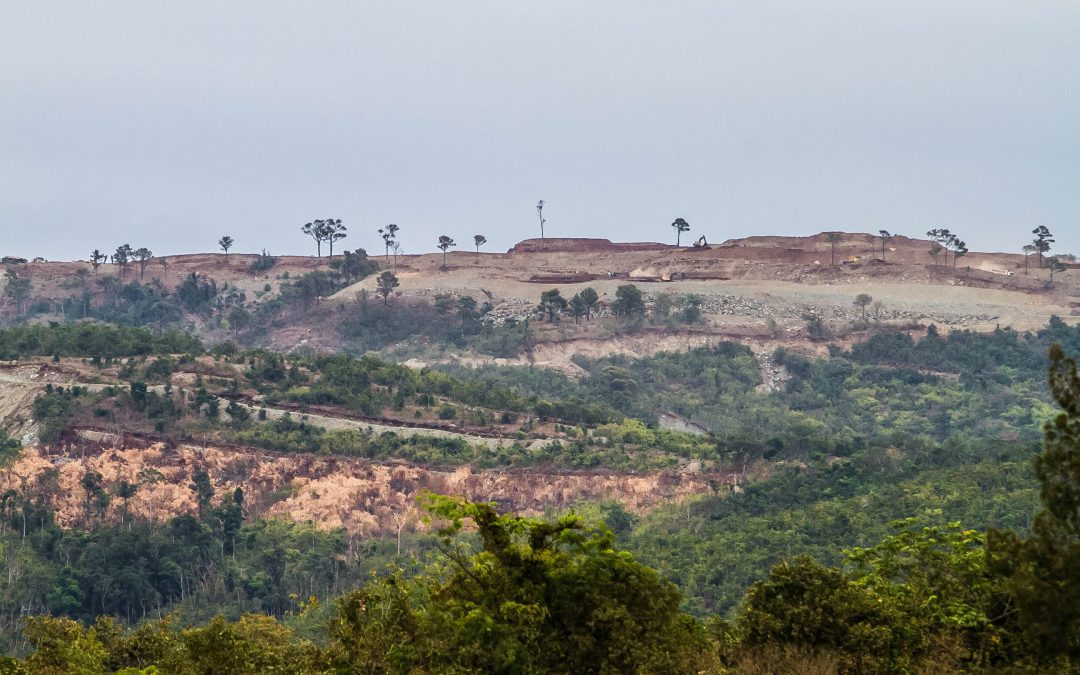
(167,125)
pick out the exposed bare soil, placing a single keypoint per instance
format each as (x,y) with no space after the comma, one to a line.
(364,497)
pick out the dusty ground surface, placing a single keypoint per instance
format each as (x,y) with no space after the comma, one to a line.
(786,266)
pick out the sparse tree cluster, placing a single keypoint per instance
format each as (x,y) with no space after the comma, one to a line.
(944,241)
(328,231)
(122,257)
(389,237)
(17,289)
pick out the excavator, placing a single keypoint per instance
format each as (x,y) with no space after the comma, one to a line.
(701,244)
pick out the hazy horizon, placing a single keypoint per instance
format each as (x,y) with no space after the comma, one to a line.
(168,126)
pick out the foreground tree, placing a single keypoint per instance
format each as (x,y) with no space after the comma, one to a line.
(225,243)
(538,597)
(924,599)
(1044,569)
(680,226)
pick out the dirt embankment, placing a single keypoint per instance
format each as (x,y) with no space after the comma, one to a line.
(366,498)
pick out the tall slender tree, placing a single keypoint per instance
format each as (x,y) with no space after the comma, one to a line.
(833,238)
(225,243)
(142,256)
(445,243)
(540,214)
(122,257)
(1042,242)
(680,226)
(333,230)
(1028,250)
(389,236)
(479,240)
(960,250)
(96,258)
(315,230)
(944,239)
(861,301)
(885,237)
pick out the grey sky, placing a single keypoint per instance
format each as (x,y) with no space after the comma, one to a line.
(170,124)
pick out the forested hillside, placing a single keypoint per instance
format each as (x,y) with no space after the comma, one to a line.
(938,433)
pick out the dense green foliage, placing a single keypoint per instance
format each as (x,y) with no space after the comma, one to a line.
(194,566)
(989,386)
(1044,569)
(90,340)
(536,597)
(196,300)
(9,447)
(368,385)
(879,433)
(891,428)
(663,449)
(449,321)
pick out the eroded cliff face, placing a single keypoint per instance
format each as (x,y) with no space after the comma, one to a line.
(365,498)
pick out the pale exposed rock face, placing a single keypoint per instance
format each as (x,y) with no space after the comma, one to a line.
(365,498)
